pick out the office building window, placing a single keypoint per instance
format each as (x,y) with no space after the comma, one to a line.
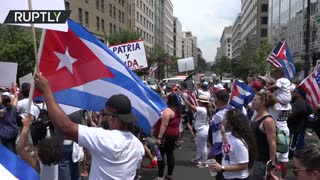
(98,4)
(122,2)
(114,28)
(264,20)
(80,15)
(86,1)
(86,18)
(264,32)
(102,5)
(67,5)
(137,18)
(119,16)
(110,28)
(102,25)
(122,17)
(264,7)
(114,12)
(110,10)
(98,23)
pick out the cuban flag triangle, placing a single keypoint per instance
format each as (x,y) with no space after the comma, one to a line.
(14,168)
(241,95)
(84,73)
(280,57)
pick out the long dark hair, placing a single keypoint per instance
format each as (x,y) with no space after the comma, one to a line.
(239,126)
(173,102)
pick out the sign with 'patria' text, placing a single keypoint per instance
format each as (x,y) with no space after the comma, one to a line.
(132,53)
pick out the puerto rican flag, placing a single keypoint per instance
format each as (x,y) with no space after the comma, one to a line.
(241,94)
(280,57)
(84,73)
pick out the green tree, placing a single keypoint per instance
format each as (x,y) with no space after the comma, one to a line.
(262,54)
(158,55)
(17,46)
(222,66)
(202,64)
(122,36)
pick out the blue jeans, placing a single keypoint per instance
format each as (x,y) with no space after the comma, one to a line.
(68,170)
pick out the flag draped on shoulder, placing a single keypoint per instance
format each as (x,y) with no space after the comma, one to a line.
(84,73)
(280,57)
(241,94)
(12,167)
(312,87)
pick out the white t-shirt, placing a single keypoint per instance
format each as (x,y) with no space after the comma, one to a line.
(115,154)
(201,120)
(234,152)
(22,108)
(49,172)
(283,93)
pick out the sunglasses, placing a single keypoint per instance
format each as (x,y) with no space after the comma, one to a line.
(296,170)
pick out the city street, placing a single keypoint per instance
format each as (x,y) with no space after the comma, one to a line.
(184,170)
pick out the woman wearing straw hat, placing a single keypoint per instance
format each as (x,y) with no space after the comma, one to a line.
(202,117)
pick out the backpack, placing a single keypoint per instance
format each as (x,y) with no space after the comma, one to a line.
(282,141)
(40,127)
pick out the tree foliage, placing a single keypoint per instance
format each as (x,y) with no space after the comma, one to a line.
(202,64)
(252,61)
(17,46)
(123,36)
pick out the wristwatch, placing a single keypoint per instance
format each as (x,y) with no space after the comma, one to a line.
(222,168)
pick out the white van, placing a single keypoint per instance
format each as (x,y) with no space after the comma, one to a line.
(173,81)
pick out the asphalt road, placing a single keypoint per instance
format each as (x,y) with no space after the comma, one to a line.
(184,170)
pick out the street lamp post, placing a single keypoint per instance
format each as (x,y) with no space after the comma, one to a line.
(307,61)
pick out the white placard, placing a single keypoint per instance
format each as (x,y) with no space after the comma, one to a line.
(26,79)
(186,64)
(132,53)
(8,74)
(7,5)
(5,174)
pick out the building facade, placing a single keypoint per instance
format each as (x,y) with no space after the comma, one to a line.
(187,50)
(194,50)
(142,20)
(236,38)
(177,38)
(225,42)
(288,20)
(168,26)
(159,23)
(101,17)
(254,21)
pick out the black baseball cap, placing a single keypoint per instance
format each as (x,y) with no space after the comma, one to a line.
(120,106)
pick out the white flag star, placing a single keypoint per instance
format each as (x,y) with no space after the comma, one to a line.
(65,60)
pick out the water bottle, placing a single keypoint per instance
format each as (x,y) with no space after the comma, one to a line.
(154,147)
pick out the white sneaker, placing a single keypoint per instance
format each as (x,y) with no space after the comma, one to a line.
(195,161)
(202,165)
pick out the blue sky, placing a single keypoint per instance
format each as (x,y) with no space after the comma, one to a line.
(206,19)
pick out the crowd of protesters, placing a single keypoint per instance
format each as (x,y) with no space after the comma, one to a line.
(245,143)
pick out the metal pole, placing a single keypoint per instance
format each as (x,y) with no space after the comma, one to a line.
(307,61)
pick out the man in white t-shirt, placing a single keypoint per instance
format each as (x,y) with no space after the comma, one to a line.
(116,153)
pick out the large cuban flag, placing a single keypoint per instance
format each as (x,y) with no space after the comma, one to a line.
(13,168)
(84,73)
(241,94)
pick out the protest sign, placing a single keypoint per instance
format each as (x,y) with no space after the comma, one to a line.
(26,79)
(8,72)
(185,64)
(132,53)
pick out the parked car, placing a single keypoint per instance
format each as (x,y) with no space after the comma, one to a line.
(151,83)
(170,82)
